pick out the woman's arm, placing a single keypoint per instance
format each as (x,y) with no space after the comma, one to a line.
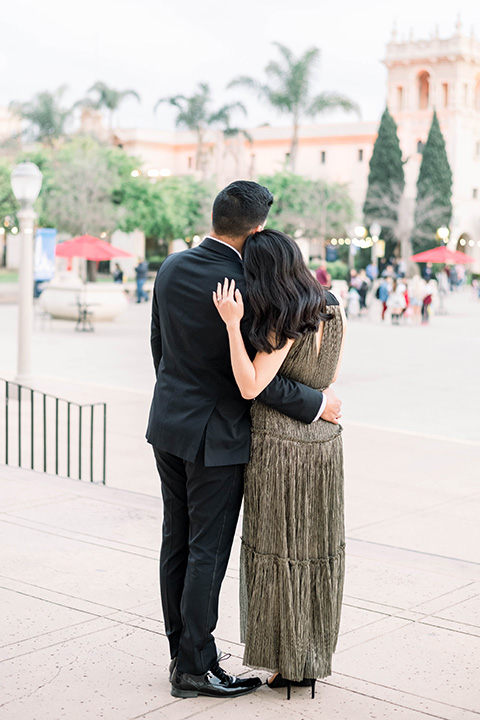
(251,377)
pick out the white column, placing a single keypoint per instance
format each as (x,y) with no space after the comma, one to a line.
(26,219)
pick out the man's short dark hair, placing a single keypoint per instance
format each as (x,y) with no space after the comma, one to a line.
(240,207)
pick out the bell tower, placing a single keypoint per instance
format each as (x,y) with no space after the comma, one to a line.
(441,74)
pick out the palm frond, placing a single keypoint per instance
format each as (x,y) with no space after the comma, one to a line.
(285,52)
(133,93)
(86,103)
(328,101)
(251,84)
(175,101)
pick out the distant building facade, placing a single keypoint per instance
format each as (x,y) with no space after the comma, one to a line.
(423,75)
(441,74)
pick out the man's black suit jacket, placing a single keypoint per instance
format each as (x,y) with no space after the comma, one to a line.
(196,392)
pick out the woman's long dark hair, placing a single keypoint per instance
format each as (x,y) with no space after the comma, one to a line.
(286,300)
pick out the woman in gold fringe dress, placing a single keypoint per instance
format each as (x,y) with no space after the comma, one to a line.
(293,543)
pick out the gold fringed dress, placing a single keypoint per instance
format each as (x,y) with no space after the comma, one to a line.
(293,540)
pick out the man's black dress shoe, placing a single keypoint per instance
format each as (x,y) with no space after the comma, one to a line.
(173,663)
(214,683)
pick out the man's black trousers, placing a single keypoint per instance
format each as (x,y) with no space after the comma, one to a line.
(201,506)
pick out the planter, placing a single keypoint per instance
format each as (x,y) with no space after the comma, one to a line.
(61,299)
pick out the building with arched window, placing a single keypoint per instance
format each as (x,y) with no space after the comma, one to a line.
(441,74)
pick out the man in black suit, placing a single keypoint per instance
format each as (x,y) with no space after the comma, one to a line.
(199,427)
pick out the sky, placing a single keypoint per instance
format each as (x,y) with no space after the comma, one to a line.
(163,48)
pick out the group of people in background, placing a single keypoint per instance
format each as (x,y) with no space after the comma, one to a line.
(141,274)
(400,298)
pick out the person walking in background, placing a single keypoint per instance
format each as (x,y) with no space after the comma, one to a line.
(428,295)
(416,293)
(427,272)
(396,302)
(362,284)
(461,275)
(353,302)
(371,271)
(141,272)
(383,292)
(388,272)
(323,276)
(118,274)
(293,543)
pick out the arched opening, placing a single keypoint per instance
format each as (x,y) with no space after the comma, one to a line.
(477,93)
(399,97)
(465,243)
(423,90)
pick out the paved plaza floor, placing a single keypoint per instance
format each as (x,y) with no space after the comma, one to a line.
(82,633)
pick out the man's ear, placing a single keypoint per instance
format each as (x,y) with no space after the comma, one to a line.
(259,228)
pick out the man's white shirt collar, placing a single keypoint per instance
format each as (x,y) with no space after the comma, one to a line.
(226,244)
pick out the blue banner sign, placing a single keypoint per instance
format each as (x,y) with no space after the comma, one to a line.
(332,253)
(44,262)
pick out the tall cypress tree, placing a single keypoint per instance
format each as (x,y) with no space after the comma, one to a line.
(386,181)
(433,207)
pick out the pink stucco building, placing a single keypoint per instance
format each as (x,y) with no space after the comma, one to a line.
(423,75)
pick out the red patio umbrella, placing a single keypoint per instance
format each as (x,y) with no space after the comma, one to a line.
(442,255)
(90,248)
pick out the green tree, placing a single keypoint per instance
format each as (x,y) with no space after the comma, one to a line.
(289,90)
(88,187)
(45,115)
(195,114)
(44,157)
(386,182)
(8,203)
(163,209)
(79,199)
(308,208)
(187,205)
(233,136)
(434,182)
(108,98)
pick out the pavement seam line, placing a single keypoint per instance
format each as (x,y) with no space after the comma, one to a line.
(81,540)
(420,553)
(411,433)
(389,702)
(66,530)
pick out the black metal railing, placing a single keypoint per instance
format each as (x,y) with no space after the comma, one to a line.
(46,433)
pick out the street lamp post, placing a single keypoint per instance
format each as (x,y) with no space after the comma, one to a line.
(26,183)
(443,234)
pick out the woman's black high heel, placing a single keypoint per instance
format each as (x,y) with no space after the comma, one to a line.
(279,681)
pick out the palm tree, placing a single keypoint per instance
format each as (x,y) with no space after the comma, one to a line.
(194,114)
(233,137)
(45,115)
(288,89)
(108,98)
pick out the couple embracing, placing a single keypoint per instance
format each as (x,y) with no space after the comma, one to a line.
(269,332)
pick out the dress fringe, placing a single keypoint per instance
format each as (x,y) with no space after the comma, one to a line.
(292,566)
